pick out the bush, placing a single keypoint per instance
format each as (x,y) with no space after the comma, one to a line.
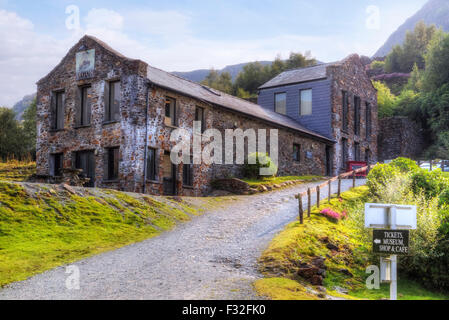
(380,176)
(378,65)
(431,183)
(253,170)
(405,165)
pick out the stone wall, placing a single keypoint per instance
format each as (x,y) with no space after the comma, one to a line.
(350,76)
(400,137)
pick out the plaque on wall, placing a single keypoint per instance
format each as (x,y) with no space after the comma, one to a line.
(85,64)
(309,155)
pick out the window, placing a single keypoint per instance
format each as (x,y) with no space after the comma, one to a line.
(152,165)
(356,151)
(305,106)
(368,121)
(57,106)
(170,112)
(83,111)
(280,101)
(344,152)
(112,101)
(56,164)
(296,152)
(112,163)
(187,174)
(199,116)
(357,103)
(345,110)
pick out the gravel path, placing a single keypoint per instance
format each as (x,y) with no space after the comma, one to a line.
(212,257)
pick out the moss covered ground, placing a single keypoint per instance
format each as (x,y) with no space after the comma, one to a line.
(342,246)
(14,170)
(44,226)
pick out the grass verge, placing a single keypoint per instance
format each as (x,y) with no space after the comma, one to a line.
(43,226)
(279,180)
(339,245)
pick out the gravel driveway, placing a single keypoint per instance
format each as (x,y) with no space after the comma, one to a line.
(212,257)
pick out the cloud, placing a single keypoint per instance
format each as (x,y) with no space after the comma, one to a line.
(104,19)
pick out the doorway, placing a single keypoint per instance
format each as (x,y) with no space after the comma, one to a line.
(169,175)
(85,160)
(328,161)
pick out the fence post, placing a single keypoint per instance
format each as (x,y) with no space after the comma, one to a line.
(318,196)
(301,211)
(431,165)
(353,179)
(330,191)
(339,187)
(309,202)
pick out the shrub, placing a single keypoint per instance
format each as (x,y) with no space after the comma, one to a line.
(260,161)
(378,64)
(431,183)
(405,165)
(380,176)
(333,215)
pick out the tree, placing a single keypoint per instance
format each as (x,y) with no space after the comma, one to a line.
(385,100)
(415,81)
(29,128)
(252,77)
(222,82)
(11,135)
(436,73)
(403,58)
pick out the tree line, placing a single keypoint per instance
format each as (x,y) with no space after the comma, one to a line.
(18,138)
(255,74)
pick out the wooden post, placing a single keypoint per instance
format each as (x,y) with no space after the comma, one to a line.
(330,191)
(339,187)
(318,196)
(431,166)
(353,179)
(309,202)
(301,211)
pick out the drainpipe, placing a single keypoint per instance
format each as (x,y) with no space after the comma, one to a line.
(145,158)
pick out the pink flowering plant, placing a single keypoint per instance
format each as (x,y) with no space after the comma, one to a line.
(333,215)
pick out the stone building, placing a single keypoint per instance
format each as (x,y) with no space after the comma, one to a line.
(112,117)
(336,100)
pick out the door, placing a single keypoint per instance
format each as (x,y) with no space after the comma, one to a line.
(328,161)
(85,160)
(169,175)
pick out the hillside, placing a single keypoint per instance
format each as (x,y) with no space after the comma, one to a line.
(200,75)
(433,12)
(22,105)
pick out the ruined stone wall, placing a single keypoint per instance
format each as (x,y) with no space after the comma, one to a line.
(400,137)
(350,76)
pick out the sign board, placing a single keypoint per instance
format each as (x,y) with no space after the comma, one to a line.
(85,64)
(391,242)
(380,216)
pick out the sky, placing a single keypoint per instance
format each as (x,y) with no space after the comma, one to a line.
(177,35)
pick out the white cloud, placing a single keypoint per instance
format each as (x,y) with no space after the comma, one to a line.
(104,19)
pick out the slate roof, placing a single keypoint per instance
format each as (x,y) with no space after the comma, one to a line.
(299,75)
(172,82)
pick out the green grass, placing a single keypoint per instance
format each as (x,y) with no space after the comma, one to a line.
(407,290)
(44,229)
(278,180)
(298,244)
(16,170)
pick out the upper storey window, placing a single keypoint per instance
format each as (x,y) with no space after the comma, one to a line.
(305,102)
(170,112)
(345,103)
(57,110)
(112,101)
(83,111)
(280,103)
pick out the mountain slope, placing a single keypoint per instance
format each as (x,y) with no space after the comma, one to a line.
(201,74)
(433,12)
(22,105)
